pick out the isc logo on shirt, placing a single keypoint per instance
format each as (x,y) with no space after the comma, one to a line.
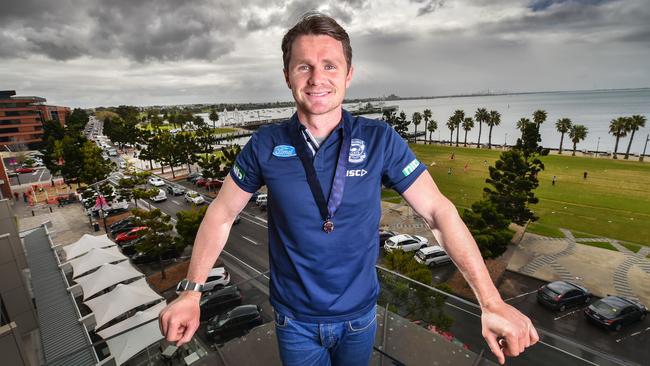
(356,173)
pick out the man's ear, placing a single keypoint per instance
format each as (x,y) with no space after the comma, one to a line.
(348,78)
(286,78)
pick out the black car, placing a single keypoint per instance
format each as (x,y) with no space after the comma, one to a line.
(613,312)
(559,295)
(191,176)
(218,301)
(175,190)
(385,235)
(236,322)
(128,248)
(142,258)
(122,222)
(121,229)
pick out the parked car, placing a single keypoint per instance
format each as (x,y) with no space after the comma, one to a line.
(213,183)
(122,164)
(194,197)
(129,235)
(559,295)
(122,229)
(129,247)
(217,278)
(406,242)
(236,322)
(141,258)
(218,301)
(254,196)
(432,256)
(201,182)
(161,196)
(195,178)
(191,176)
(24,169)
(385,235)
(175,190)
(613,312)
(122,222)
(261,198)
(156,182)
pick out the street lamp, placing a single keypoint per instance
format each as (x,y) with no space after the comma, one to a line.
(597,146)
(505,140)
(644,147)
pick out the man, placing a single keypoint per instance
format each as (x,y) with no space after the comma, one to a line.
(324,170)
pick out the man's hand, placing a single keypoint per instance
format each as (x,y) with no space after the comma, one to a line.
(180,319)
(502,321)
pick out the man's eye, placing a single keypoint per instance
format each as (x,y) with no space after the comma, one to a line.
(330,67)
(303,67)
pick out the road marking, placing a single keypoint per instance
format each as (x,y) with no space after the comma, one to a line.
(246,264)
(261,219)
(40,177)
(633,335)
(569,313)
(245,216)
(250,240)
(35,172)
(177,203)
(520,295)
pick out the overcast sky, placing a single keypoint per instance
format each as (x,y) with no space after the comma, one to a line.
(146,52)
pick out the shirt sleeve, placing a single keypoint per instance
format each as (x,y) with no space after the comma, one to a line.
(246,171)
(401,167)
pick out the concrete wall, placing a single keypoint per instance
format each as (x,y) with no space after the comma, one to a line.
(11,346)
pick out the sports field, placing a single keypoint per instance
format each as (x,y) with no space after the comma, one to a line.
(614,200)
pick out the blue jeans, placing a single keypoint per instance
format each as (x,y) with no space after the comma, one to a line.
(339,344)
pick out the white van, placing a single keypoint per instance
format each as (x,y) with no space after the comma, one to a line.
(262,199)
(160,197)
(432,256)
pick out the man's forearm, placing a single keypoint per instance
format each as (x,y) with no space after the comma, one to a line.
(451,232)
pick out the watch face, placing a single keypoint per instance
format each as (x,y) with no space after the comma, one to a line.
(182,286)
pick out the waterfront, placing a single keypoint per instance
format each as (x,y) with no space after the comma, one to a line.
(594,109)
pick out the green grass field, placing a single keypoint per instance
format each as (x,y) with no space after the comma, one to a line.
(599,244)
(613,201)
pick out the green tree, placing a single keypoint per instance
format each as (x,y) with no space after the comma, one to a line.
(468,124)
(451,125)
(577,134)
(156,239)
(427,116)
(563,125)
(77,120)
(618,128)
(539,117)
(488,227)
(214,117)
(481,116)
(432,127)
(494,120)
(401,126)
(188,222)
(521,124)
(633,124)
(417,119)
(94,167)
(459,116)
(390,117)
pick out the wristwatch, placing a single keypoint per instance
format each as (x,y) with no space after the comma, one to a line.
(187,285)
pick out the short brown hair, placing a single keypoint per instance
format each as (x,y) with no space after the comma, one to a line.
(316,24)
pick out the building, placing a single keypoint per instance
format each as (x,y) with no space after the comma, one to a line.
(22,117)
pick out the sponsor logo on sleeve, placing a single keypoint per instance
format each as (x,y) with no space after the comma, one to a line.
(239,172)
(357,151)
(284,151)
(410,168)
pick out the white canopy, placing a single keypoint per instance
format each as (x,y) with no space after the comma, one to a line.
(85,244)
(95,258)
(128,344)
(122,299)
(106,276)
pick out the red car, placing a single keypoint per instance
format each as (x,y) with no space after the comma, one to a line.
(129,235)
(201,182)
(24,170)
(213,183)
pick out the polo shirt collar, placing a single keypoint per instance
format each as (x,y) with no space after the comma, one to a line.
(346,118)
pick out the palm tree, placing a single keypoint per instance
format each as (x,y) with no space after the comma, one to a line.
(634,123)
(618,128)
(432,127)
(521,124)
(577,134)
(468,124)
(480,116)
(417,119)
(214,117)
(427,115)
(494,120)
(539,117)
(563,125)
(451,125)
(459,116)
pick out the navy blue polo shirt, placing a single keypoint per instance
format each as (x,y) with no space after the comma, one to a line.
(315,276)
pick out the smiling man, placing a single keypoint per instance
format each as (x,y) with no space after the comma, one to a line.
(324,170)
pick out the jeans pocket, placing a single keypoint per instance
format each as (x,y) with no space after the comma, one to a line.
(281,320)
(363,322)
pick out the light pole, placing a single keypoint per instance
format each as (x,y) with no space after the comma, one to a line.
(597,146)
(505,140)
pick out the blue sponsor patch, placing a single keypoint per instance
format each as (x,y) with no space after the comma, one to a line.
(284,151)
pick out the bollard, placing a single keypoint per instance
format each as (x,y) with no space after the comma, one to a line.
(50,209)
(33,213)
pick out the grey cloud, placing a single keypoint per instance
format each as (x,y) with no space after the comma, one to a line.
(430,6)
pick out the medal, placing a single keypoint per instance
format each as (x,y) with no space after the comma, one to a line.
(328,226)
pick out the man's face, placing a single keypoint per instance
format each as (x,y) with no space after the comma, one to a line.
(317,74)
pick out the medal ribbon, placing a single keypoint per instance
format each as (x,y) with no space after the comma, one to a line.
(329,208)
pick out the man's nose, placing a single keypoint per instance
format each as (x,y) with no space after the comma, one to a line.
(317,76)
